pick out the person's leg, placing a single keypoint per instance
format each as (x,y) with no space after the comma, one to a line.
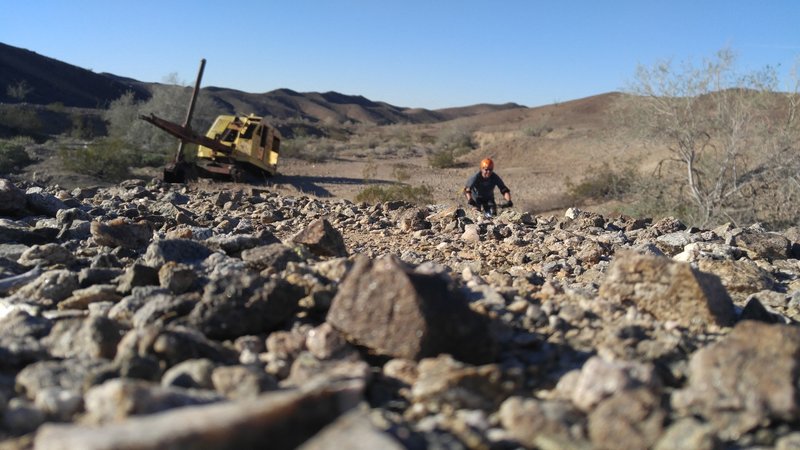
(491,207)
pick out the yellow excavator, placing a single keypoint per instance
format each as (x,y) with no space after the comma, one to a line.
(232,147)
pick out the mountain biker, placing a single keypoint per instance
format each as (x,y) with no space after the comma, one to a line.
(479,189)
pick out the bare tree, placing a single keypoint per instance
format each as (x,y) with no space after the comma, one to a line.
(723,130)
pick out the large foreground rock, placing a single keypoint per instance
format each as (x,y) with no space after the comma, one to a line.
(748,379)
(279,420)
(388,308)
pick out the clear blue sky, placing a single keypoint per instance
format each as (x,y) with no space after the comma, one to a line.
(413,53)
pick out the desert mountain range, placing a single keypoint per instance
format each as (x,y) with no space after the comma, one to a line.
(52,81)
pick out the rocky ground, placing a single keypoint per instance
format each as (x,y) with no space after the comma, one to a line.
(148,315)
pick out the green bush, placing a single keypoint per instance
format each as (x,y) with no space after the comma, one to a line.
(308,149)
(537,131)
(457,137)
(442,158)
(420,195)
(13,156)
(20,119)
(107,159)
(603,183)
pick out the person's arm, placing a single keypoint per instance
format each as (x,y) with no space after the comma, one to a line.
(505,191)
(468,191)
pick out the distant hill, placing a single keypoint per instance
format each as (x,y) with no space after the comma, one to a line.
(50,81)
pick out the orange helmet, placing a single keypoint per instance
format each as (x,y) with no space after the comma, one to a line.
(487,164)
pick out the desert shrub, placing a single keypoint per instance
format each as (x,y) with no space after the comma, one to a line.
(400,172)
(603,183)
(18,90)
(291,148)
(420,195)
(108,159)
(450,144)
(57,107)
(20,119)
(82,127)
(537,131)
(442,158)
(13,155)
(457,137)
(308,149)
(658,196)
(370,169)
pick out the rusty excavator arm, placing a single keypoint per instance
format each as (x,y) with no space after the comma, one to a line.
(186,134)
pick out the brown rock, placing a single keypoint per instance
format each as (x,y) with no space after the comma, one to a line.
(387,307)
(82,298)
(322,239)
(274,257)
(414,219)
(668,290)
(352,431)
(631,419)
(762,245)
(745,380)
(121,233)
(178,278)
(740,277)
(12,199)
(445,381)
(283,419)
(531,420)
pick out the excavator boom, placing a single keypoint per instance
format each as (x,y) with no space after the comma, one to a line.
(186,134)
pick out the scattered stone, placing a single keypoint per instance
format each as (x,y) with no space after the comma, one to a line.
(630,419)
(82,298)
(534,423)
(184,251)
(353,431)
(599,379)
(44,203)
(190,374)
(688,433)
(46,255)
(242,382)
(119,398)
(135,305)
(240,305)
(273,257)
(177,278)
(121,233)
(322,239)
(137,275)
(12,199)
(762,245)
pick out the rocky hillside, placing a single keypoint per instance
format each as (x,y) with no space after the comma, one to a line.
(164,316)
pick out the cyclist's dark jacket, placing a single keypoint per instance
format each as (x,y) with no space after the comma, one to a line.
(483,188)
